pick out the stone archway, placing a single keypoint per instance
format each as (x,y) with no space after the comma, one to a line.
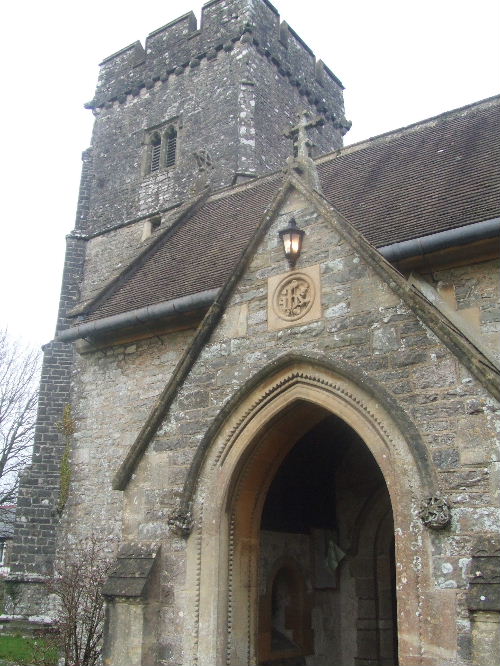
(328,508)
(222,590)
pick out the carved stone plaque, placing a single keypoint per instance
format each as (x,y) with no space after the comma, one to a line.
(293,298)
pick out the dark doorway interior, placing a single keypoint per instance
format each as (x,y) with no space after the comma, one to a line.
(327,569)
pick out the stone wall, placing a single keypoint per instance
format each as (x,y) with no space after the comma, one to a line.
(474,291)
(113,390)
(222,85)
(365,325)
(34,543)
(258,76)
(361,323)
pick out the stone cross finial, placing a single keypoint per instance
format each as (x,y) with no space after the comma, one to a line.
(302,164)
(299,133)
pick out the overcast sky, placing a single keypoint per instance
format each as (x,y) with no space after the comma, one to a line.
(400,60)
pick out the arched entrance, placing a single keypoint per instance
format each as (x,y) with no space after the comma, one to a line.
(233,596)
(326,562)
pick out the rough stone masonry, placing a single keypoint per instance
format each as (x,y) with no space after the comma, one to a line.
(208,380)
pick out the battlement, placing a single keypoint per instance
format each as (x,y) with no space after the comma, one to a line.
(180,45)
(166,38)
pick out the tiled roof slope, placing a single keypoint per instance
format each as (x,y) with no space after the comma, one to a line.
(198,255)
(437,175)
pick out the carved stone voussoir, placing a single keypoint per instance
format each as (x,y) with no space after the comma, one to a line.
(435,512)
(181,523)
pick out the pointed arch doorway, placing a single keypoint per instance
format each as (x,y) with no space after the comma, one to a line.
(301,553)
(326,571)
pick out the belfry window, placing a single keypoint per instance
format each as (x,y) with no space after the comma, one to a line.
(155,151)
(161,149)
(171,146)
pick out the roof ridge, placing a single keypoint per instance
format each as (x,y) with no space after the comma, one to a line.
(406,129)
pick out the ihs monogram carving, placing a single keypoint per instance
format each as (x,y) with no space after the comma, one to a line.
(435,512)
(294,297)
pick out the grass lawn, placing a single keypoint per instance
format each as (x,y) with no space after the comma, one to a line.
(23,651)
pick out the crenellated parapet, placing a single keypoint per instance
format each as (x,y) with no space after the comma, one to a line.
(179,46)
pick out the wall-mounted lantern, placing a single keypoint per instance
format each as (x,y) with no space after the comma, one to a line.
(291,238)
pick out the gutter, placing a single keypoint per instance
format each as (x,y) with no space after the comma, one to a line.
(150,313)
(418,247)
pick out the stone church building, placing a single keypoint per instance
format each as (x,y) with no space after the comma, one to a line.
(279,359)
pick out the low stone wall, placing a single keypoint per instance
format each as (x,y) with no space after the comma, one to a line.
(29,600)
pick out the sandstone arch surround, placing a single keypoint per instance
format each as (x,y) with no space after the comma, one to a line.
(239,464)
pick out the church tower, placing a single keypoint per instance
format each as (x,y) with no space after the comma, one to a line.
(195,107)
(207,105)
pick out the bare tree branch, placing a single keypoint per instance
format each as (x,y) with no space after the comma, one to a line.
(80,574)
(19,377)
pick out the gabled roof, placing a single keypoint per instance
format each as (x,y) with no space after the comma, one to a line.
(437,175)
(198,255)
(483,368)
(433,176)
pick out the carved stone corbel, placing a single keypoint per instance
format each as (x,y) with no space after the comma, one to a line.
(435,512)
(181,523)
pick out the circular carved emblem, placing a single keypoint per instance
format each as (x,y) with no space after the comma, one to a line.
(294,297)
(435,512)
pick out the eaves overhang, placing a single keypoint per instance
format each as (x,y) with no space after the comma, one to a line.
(136,318)
(429,244)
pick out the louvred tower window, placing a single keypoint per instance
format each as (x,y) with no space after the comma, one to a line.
(171,146)
(161,149)
(155,151)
